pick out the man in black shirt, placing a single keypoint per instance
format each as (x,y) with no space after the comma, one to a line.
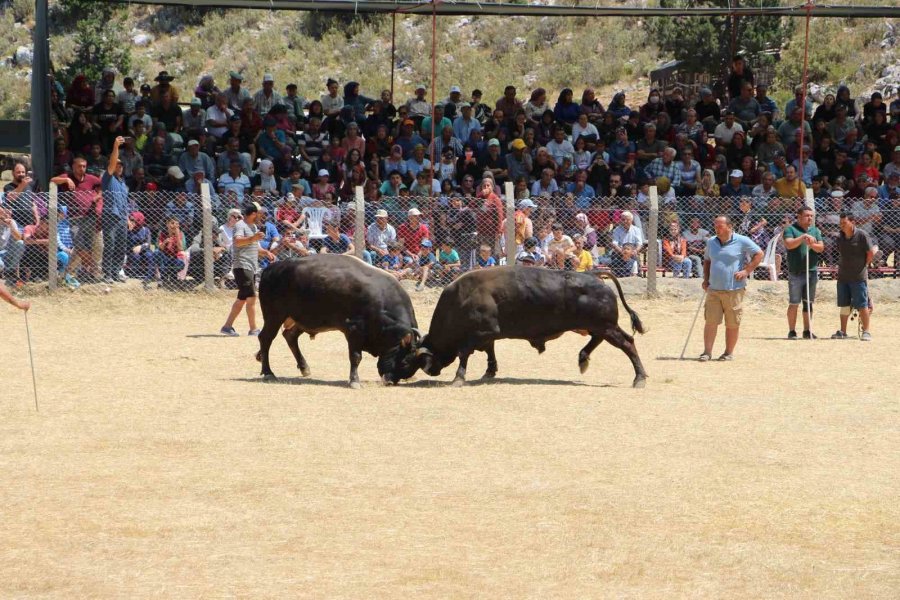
(740,73)
(856,252)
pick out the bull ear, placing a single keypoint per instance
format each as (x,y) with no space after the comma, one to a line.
(407,340)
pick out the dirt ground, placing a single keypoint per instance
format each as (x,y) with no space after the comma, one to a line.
(161,465)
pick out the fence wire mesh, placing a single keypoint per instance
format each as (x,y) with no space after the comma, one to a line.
(161,242)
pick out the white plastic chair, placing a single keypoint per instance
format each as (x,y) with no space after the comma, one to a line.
(315,215)
(768,261)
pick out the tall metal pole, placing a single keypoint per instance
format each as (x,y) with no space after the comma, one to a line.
(433,85)
(393,50)
(805,83)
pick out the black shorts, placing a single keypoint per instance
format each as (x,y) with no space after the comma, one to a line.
(246,283)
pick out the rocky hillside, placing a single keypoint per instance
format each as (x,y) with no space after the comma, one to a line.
(472,52)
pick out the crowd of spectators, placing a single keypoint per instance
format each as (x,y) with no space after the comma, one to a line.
(433,175)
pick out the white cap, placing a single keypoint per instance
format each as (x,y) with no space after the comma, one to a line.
(324,173)
(455,89)
(737,173)
(268,77)
(381,214)
(414,212)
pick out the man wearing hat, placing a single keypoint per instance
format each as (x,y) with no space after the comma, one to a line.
(192,159)
(735,188)
(465,123)
(523,225)
(194,186)
(453,103)
(107,82)
(518,162)
(267,97)
(378,235)
(418,106)
(246,253)
(194,117)
(708,111)
(412,233)
(235,94)
(163,86)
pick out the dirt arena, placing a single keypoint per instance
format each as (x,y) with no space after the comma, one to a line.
(161,465)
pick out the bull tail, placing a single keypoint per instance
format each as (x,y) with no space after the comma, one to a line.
(636,324)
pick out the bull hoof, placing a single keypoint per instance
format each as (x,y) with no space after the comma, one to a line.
(583,365)
(489,375)
(458,382)
(354,385)
(269,377)
(639,382)
(304,371)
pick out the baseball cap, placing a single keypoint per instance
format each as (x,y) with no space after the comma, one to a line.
(175,172)
(414,212)
(454,89)
(235,75)
(381,213)
(530,242)
(408,122)
(463,105)
(420,86)
(193,143)
(425,243)
(494,142)
(196,102)
(518,144)
(268,77)
(323,173)
(234,118)
(526,203)
(736,173)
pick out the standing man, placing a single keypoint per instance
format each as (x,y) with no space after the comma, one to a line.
(245,253)
(856,252)
(726,269)
(114,216)
(802,239)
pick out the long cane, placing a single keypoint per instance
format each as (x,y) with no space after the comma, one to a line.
(31,356)
(808,303)
(694,322)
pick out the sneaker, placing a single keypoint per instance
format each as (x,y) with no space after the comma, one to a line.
(121,278)
(253,332)
(839,335)
(726,357)
(229,331)
(809,335)
(866,336)
(72,282)
(705,357)
(419,287)
(792,335)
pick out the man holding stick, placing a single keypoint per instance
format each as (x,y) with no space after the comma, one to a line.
(729,261)
(7,297)
(804,244)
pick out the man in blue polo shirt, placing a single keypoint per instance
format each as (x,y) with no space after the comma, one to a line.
(729,261)
(114,216)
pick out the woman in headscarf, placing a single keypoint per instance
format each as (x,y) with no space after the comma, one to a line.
(536,106)
(266,178)
(618,107)
(206,90)
(353,99)
(566,111)
(80,96)
(843,99)
(591,107)
(653,107)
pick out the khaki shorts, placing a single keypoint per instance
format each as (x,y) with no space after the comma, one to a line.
(725,304)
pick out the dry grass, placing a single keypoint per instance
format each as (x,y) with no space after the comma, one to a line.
(161,466)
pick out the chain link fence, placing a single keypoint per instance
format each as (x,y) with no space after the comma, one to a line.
(180,240)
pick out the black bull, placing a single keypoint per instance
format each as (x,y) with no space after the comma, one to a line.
(329,292)
(527,303)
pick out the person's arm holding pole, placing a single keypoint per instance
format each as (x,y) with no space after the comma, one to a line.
(12,300)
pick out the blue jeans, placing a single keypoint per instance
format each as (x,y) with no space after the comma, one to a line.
(168,265)
(11,255)
(682,268)
(115,240)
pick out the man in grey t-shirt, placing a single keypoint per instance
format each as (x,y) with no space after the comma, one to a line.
(246,252)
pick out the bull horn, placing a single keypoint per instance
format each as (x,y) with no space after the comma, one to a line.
(423,351)
(417,333)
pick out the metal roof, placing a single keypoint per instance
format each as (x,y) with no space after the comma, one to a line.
(579,9)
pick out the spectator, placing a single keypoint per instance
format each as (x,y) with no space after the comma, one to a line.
(412,233)
(739,77)
(626,233)
(140,261)
(465,123)
(536,106)
(582,260)
(234,181)
(560,148)
(182,210)
(546,185)
(170,258)
(790,186)
(336,242)
(735,187)
(114,217)
(394,262)
(729,261)
(696,238)
(518,162)
(12,247)
(531,254)
(649,147)
(866,212)
(857,251)
(665,166)
(448,266)
(560,248)
(378,235)
(566,110)
(766,104)
(675,250)
(484,259)
(418,106)
(424,263)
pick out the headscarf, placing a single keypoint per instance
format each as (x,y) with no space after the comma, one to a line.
(266,175)
(138,218)
(78,94)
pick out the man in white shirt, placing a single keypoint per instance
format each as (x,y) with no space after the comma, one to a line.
(378,235)
(696,238)
(727,128)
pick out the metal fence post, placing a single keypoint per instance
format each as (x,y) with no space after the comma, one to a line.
(652,237)
(359,228)
(509,190)
(52,246)
(209,279)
